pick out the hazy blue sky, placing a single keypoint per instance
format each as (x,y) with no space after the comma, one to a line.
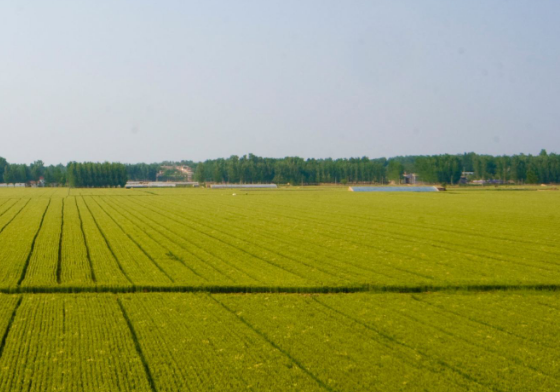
(168,80)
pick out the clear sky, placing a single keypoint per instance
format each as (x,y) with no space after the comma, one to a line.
(135,81)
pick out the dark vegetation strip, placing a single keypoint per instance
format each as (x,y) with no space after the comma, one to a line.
(335,227)
(9,207)
(15,215)
(336,236)
(169,252)
(407,224)
(9,327)
(446,311)
(162,229)
(396,341)
(205,249)
(271,342)
(188,223)
(390,342)
(159,231)
(488,349)
(448,229)
(156,264)
(212,237)
(443,244)
(280,238)
(26,265)
(280,289)
(59,262)
(107,243)
(85,241)
(138,347)
(183,223)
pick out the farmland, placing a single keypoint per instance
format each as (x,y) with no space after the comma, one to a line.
(334,342)
(276,240)
(281,289)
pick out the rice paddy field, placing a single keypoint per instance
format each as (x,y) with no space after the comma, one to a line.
(303,289)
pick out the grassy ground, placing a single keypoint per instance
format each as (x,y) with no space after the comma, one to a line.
(116,289)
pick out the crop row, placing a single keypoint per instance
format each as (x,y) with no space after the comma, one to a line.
(346,251)
(358,342)
(302,240)
(435,256)
(69,343)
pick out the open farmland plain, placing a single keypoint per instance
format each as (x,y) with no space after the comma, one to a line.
(287,289)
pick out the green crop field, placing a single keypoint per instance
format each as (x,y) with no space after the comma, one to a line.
(297,289)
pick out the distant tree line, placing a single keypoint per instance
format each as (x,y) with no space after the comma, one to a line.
(253,169)
(521,169)
(149,171)
(22,173)
(447,168)
(74,174)
(90,174)
(143,171)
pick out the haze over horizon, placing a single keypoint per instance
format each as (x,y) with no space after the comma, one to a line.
(152,81)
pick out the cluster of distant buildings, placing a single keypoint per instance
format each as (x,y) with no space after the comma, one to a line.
(195,184)
(160,184)
(16,185)
(184,170)
(413,179)
(32,184)
(465,180)
(237,186)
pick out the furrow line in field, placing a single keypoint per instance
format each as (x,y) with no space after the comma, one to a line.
(421,239)
(275,289)
(549,306)
(150,315)
(134,262)
(179,259)
(9,326)
(136,243)
(107,242)
(276,237)
(14,217)
(522,313)
(173,242)
(392,339)
(134,337)
(476,321)
(59,262)
(407,239)
(240,249)
(9,206)
(485,348)
(306,212)
(434,228)
(214,255)
(26,264)
(159,228)
(336,236)
(273,344)
(259,245)
(85,242)
(281,238)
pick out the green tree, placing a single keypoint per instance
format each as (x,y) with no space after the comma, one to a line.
(8,174)
(395,170)
(36,170)
(3,165)
(199,174)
